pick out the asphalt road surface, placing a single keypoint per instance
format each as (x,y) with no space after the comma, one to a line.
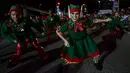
(117,59)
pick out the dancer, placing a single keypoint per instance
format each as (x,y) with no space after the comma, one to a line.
(79,45)
(51,21)
(18,30)
(116,27)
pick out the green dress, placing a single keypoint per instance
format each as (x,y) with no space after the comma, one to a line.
(115,22)
(81,44)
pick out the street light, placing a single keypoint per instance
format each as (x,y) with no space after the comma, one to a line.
(40,4)
(99,1)
(58,3)
(99,4)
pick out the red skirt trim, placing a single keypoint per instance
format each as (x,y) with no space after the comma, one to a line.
(77,60)
(93,54)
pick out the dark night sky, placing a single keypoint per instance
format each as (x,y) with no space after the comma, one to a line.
(48,4)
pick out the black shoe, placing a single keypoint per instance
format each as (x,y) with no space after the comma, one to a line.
(10,65)
(62,69)
(98,66)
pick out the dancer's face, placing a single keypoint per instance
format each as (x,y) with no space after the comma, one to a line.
(15,16)
(74,16)
(116,14)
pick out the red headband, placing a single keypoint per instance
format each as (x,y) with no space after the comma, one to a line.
(74,10)
(17,10)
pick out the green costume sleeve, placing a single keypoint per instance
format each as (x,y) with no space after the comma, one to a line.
(64,27)
(89,21)
(6,33)
(115,22)
(121,25)
(110,24)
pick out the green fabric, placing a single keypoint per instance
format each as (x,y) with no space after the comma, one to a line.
(80,42)
(5,31)
(115,21)
(12,33)
(52,20)
(13,7)
(74,6)
(87,21)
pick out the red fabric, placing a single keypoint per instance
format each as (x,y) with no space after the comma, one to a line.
(35,43)
(114,32)
(9,24)
(93,54)
(78,26)
(26,42)
(15,57)
(119,32)
(65,56)
(44,17)
(85,19)
(39,49)
(67,18)
(70,59)
(74,10)
(17,10)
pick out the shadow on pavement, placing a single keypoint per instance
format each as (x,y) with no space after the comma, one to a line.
(96,33)
(106,47)
(36,64)
(73,68)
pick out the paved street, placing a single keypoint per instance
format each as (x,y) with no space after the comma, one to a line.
(117,61)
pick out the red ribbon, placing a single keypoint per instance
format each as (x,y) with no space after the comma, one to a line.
(78,26)
(9,24)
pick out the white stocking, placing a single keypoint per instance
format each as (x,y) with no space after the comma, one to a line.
(96,59)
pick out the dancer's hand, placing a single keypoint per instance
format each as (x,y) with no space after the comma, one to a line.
(66,43)
(109,19)
(15,41)
(42,34)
